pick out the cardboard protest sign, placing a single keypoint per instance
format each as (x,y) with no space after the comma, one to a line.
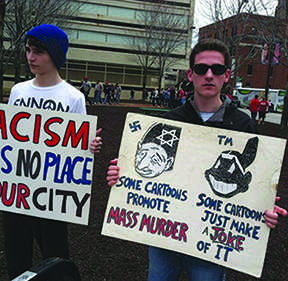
(195,190)
(45,163)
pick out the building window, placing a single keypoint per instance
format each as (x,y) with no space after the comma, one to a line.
(103,10)
(92,36)
(118,12)
(249,69)
(94,9)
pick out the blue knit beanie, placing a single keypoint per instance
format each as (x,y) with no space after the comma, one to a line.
(54,39)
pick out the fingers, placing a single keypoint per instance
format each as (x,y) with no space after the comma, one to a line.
(98,132)
(112,174)
(271,218)
(96,144)
(112,179)
(113,170)
(114,161)
(271,225)
(281,211)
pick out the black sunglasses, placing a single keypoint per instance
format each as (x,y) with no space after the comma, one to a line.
(217,69)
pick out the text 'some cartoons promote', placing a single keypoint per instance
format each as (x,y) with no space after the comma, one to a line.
(195,190)
(45,163)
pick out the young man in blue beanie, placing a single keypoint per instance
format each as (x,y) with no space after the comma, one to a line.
(209,70)
(46,49)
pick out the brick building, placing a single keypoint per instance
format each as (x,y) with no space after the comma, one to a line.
(248,37)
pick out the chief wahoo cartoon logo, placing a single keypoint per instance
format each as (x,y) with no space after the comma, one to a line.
(228,177)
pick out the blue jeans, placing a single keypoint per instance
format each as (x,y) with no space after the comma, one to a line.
(166,265)
(97,97)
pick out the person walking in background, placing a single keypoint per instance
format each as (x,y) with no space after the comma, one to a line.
(166,96)
(172,97)
(145,94)
(209,70)
(161,97)
(85,89)
(46,48)
(118,91)
(154,96)
(228,91)
(254,107)
(107,93)
(263,109)
(112,92)
(132,94)
(182,96)
(98,92)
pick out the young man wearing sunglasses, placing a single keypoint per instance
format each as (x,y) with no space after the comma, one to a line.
(209,70)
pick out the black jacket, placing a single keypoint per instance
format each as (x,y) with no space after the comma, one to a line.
(233,119)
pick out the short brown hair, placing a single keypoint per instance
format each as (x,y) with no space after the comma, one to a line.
(33,41)
(210,45)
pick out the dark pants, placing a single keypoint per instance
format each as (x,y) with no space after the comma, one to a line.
(88,99)
(97,97)
(262,115)
(19,233)
(253,114)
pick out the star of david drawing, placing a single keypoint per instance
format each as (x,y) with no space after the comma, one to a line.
(167,137)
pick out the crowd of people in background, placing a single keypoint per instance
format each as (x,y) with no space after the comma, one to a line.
(169,97)
(103,93)
(109,93)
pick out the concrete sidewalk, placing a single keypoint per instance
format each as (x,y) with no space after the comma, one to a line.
(270,117)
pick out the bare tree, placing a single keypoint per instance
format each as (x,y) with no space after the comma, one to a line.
(273,31)
(3,5)
(143,43)
(217,10)
(164,33)
(20,16)
(171,35)
(237,14)
(282,34)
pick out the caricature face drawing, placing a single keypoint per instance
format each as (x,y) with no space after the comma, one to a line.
(227,177)
(152,160)
(156,151)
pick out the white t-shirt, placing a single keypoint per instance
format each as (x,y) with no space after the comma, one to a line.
(61,97)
